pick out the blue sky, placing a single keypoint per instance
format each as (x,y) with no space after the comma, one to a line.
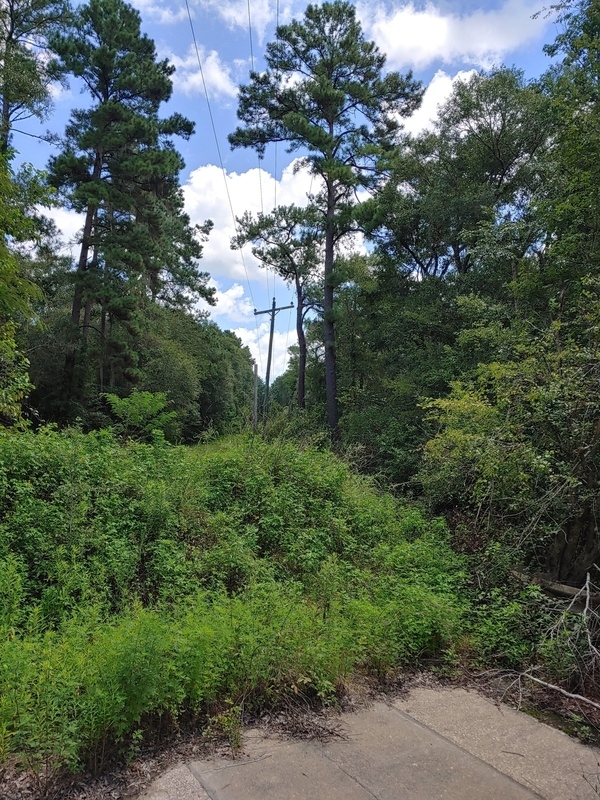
(439,41)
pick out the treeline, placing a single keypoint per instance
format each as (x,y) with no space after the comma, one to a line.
(122,315)
(465,343)
(460,353)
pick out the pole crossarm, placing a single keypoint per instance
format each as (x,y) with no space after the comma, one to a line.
(273,312)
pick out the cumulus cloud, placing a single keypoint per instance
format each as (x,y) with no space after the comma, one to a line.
(416,37)
(206,198)
(59,92)
(69,225)
(232,303)
(234,13)
(163,13)
(188,77)
(257,341)
(438,91)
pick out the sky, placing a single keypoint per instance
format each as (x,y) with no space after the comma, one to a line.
(441,42)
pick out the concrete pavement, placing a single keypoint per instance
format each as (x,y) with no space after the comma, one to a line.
(437,743)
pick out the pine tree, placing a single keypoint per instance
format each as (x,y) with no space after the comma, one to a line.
(289,241)
(26,71)
(324,93)
(120,168)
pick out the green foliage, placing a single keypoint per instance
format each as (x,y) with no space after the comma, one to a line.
(142,414)
(118,165)
(14,380)
(27,68)
(18,193)
(517,447)
(205,373)
(500,630)
(139,579)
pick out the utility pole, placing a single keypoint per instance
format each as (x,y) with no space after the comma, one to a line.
(272,311)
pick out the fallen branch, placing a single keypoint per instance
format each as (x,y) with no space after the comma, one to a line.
(579,697)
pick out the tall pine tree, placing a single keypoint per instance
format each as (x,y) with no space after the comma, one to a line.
(325,94)
(120,168)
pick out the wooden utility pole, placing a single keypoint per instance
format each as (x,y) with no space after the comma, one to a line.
(272,311)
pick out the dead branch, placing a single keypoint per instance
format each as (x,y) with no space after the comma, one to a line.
(547,685)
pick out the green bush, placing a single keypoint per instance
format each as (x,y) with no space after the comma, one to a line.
(139,580)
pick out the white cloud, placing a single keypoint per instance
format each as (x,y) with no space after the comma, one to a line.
(415,38)
(217,75)
(234,13)
(163,13)
(59,92)
(257,341)
(69,225)
(438,91)
(206,198)
(232,303)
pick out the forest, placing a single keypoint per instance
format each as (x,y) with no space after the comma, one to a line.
(429,462)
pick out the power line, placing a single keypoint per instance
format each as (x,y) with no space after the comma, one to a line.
(275,167)
(250,34)
(262,208)
(214,130)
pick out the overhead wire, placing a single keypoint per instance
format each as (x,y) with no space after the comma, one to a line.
(250,34)
(214,130)
(262,208)
(275,165)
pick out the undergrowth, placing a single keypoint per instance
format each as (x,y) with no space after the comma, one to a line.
(143,580)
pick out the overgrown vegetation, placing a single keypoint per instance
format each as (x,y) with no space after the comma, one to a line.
(458,362)
(141,580)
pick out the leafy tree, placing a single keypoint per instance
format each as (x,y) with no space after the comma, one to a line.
(26,68)
(517,448)
(324,94)
(570,208)
(289,241)
(142,414)
(482,163)
(120,168)
(206,372)
(26,71)
(18,194)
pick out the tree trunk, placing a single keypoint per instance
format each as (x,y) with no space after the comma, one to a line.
(103,348)
(4,126)
(82,267)
(328,319)
(301,399)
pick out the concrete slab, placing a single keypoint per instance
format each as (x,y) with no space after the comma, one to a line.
(436,743)
(397,758)
(386,756)
(271,769)
(176,784)
(536,755)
